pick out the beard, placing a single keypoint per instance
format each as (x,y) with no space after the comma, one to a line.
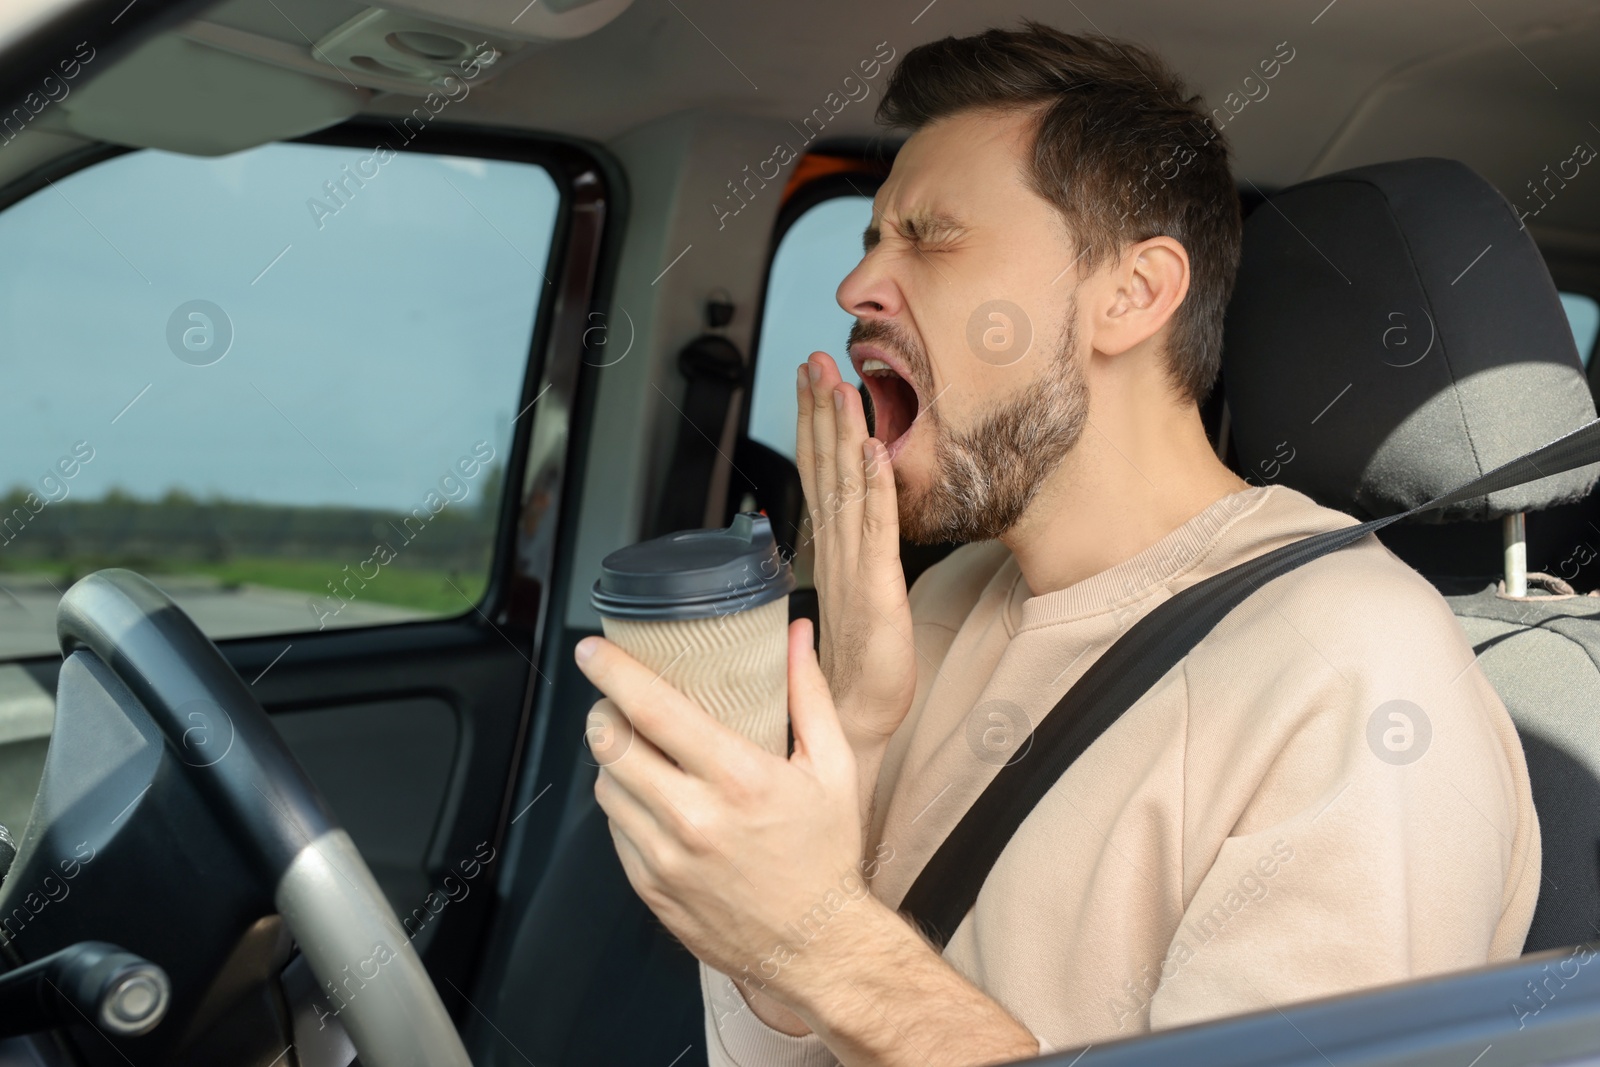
(985,476)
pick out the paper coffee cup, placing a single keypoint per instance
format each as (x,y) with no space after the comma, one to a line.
(708,610)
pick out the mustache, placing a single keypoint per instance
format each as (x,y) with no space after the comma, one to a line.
(892,336)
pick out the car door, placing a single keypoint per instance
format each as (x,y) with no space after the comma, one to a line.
(319,393)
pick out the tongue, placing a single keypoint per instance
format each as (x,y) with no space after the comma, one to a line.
(894,405)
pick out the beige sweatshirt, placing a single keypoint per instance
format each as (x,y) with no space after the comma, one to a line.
(1325,795)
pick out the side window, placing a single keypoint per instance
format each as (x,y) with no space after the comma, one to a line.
(280,383)
(1583,315)
(800,315)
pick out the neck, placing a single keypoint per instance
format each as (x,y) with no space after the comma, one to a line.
(1137,472)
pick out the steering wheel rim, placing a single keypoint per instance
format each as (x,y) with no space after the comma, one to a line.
(350,936)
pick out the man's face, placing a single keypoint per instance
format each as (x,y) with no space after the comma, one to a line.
(965,329)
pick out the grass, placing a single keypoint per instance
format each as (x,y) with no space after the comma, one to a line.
(420,588)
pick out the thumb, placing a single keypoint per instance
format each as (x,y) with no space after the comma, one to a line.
(811,712)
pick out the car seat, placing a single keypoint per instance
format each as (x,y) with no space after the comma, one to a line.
(1393,333)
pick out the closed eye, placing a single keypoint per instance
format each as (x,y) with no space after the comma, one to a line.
(928,231)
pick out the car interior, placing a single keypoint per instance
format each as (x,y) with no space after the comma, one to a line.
(345,341)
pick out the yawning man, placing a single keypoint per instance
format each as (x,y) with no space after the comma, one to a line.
(1038,314)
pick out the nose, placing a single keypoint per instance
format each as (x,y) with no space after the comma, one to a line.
(870,290)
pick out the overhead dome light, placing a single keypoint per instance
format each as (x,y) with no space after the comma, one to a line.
(435,46)
(544,21)
(417,46)
(411,49)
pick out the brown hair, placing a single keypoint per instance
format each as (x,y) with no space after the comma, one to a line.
(1122,149)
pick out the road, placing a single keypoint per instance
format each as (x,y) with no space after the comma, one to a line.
(28,611)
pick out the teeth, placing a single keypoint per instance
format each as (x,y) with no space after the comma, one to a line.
(877,368)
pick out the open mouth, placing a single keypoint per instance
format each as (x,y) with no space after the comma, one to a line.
(895,401)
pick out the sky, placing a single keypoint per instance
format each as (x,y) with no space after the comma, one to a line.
(801,314)
(368,353)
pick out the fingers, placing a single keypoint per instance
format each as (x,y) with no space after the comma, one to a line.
(818,738)
(824,436)
(629,763)
(607,732)
(880,519)
(804,450)
(663,718)
(638,870)
(849,473)
(831,429)
(637,809)
(626,812)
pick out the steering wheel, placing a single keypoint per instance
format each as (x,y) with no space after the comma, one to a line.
(121,635)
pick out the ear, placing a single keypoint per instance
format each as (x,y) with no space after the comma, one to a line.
(1150,282)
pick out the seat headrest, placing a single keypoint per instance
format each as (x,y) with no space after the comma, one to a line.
(1393,334)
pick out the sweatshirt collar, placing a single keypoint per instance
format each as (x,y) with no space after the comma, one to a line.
(1134,578)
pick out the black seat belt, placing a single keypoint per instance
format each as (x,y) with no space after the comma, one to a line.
(948,885)
(714,369)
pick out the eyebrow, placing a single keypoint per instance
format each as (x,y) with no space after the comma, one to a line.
(919,225)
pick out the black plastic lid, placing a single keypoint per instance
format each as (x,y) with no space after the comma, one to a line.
(694,574)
